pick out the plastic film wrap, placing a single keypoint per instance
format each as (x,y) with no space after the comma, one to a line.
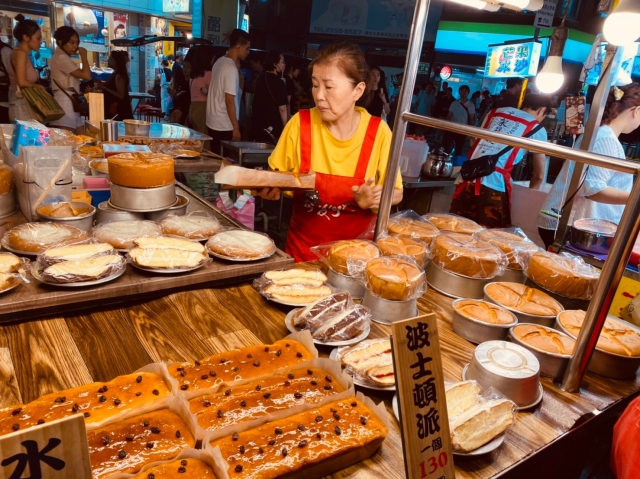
(121,234)
(563,274)
(168,253)
(36,237)
(453,223)
(293,286)
(393,245)
(90,269)
(513,242)
(395,278)
(467,256)
(77,251)
(409,224)
(197,225)
(369,362)
(237,244)
(342,255)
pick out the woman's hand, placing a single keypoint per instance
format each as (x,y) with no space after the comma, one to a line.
(367,195)
(271,194)
(381,95)
(82,52)
(97,86)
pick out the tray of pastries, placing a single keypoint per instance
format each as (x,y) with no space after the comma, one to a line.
(32,239)
(192,226)
(166,254)
(82,273)
(240,245)
(293,287)
(333,321)
(121,234)
(369,362)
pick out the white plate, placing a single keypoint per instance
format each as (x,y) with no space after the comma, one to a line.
(244,260)
(488,447)
(80,284)
(187,157)
(357,382)
(288,322)
(6,246)
(519,408)
(167,270)
(13,286)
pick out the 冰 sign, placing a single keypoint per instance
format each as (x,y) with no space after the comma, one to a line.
(55,450)
(422,401)
(513,60)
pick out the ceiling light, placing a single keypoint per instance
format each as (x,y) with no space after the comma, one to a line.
(479,4)
(551,77)
(622,27)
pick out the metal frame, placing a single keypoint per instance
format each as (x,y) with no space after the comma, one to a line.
(629,224)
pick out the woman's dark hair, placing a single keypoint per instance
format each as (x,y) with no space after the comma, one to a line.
(121,58)
(350,60)
(273,58)
(165,63)
(119,27)
(201,58)
(63,35)
(630,99)
(24,27)
(383,80)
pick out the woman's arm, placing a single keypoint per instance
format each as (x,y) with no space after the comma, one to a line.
(610,196)
(385,103)
(85,73)
(368,195)
(19,62)
(284,115)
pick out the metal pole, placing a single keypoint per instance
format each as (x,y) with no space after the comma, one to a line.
(611,64)
(416,38)
(534,146)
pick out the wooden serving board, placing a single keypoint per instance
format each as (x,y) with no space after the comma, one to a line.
(35,299)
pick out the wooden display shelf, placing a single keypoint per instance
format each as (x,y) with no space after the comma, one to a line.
(35,299)
(50,355)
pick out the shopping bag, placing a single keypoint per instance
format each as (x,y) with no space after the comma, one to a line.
(44,106)
(243,210)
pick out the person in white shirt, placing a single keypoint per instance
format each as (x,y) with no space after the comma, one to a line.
(487,200)
(66,75)
(603,192)
(223,98)
(461,111)
(426,100)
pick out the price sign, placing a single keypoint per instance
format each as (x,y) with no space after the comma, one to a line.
(424,68)
(544,16)
(55,450)
(421,399)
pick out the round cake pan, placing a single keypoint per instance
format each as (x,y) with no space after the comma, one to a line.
(346,283)
(477,331)
(143,199)
(386,311)
(83,222)
(106,214)
(512,276)
(454,285)
(95,172)
(8,203)
(511,369)
(551,365)
(568,303)
(179,209)
(609,365)
(523,317)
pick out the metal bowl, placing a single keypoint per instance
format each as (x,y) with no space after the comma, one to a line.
(386,311)
(584,235)
(551,364)
(512,276)
(455,285)
(83,221)
(136,127)
(94,171)
(567,303)
(522,317)
(142,200)
(180,209)
(607,364)
(477,331)
(511,369)
(345,283)
(107,214)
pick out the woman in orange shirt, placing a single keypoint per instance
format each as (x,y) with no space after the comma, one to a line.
(345,146)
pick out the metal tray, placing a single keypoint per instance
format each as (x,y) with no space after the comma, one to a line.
(384,311)
(454,285)
(522,317)
(142,200)
(551,365)
(477,331)
(168,270)
(342,282)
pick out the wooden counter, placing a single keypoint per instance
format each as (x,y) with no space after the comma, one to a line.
(44,356)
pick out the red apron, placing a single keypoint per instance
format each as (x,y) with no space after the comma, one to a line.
(336,216)
(508,167)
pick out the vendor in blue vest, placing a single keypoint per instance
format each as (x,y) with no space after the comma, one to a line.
(487,200)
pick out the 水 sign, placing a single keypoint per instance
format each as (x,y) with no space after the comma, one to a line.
(421,399)
(55,450)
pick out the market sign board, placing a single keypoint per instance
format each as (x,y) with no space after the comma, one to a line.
(513,60)
(422,402)
(176,6)
(88,23)
(544,16)
(367,18)
(424,68)
(55,450)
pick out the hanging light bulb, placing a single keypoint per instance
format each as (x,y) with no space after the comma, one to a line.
(479,4)
(622,27)
(551,77)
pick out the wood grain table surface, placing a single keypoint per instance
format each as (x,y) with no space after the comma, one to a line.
(43,356)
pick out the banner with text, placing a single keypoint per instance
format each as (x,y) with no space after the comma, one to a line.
(219,20)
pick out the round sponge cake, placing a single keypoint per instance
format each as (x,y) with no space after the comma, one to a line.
(141,170)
